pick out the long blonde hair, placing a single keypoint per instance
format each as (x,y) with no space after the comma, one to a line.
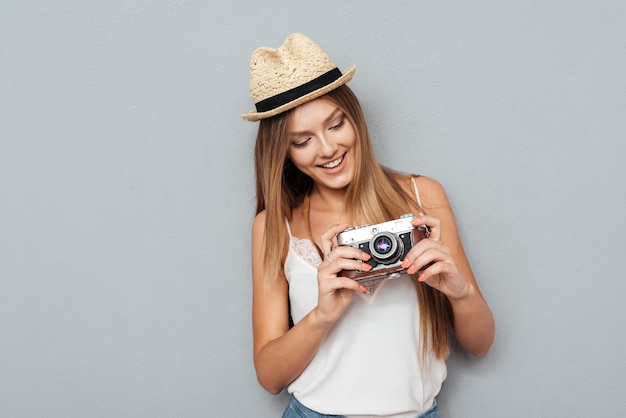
(374,195)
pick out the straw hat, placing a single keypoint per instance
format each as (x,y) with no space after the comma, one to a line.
(294,73)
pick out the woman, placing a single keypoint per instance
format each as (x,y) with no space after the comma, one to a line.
(382,354)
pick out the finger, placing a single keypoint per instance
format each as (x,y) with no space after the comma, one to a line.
(431,271)
(328,239)
(420,248)
(341,282)
(424,255)
(433,224)
(338,284)
(337,254)
(333,268)
(349,252)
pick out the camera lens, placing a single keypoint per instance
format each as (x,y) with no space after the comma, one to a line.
(386,247)
(383,245)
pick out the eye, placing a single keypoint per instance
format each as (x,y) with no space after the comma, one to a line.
(339,124)
(300,144)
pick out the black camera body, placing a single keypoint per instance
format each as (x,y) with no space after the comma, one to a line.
(388,243)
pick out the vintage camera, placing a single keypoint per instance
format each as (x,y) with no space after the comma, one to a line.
(388,243)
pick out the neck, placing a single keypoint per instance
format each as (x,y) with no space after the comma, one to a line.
(328,200)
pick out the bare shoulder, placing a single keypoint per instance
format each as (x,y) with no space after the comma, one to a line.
(258,225)
(432,193)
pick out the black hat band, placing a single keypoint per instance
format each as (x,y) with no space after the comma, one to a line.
(288,96)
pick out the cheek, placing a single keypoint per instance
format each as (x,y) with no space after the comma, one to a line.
(295,154)
(350,137)
(297,159)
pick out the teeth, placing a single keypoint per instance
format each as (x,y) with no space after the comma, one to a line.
(334,164)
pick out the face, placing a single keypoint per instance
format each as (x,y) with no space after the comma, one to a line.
(321,143)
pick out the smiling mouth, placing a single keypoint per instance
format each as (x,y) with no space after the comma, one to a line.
(335,163)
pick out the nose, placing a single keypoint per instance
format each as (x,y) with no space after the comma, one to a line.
(327,146)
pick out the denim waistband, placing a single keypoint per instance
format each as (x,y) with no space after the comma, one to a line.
(296,410)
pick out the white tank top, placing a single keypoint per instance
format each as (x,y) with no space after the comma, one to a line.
(369,362)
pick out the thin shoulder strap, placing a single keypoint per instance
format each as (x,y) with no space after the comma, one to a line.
(417,195)
(288,227)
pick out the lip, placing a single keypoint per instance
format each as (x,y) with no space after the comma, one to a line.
(338,166)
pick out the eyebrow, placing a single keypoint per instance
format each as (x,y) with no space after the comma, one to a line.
(328,119)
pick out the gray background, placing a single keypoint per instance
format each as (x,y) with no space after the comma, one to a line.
(127,193)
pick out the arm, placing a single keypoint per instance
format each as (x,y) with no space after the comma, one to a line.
(280,353)
(471,317)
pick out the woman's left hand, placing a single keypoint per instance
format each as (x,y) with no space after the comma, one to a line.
(441,271)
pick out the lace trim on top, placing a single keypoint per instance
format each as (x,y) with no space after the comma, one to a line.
(306,250)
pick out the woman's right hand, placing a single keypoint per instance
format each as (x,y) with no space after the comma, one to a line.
(335,291)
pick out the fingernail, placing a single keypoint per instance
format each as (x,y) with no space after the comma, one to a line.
(363,288)
(411,269)
(405,263)
(365,256)
(421,278)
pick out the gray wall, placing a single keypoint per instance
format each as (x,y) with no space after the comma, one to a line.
(127,193)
